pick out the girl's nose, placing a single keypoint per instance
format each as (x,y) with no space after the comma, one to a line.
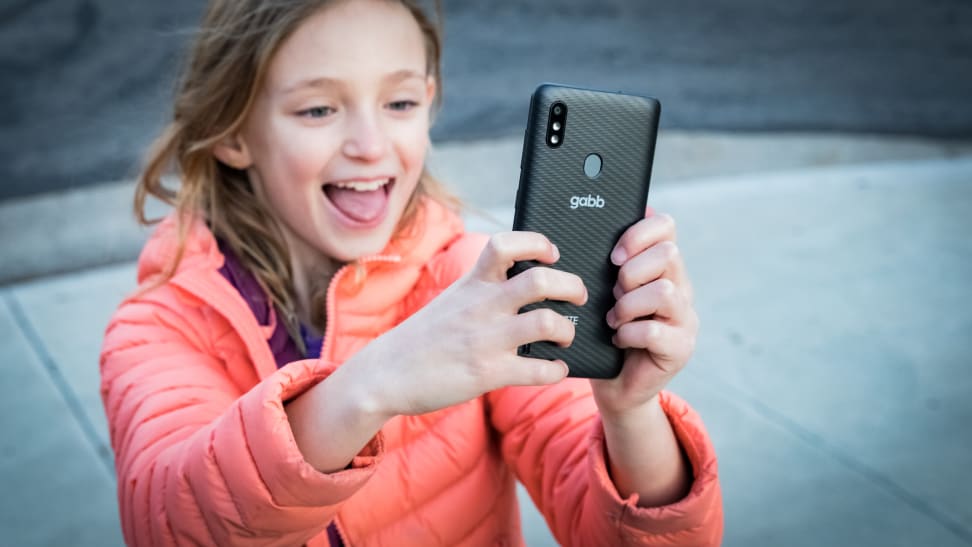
(366,140)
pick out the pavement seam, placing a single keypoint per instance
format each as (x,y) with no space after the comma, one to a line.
(60,383)
(872,475)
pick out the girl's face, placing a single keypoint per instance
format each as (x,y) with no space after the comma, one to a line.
(337,137)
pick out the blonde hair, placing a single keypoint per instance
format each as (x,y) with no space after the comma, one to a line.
(225,69)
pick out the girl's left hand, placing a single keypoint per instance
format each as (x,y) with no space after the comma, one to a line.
(654,319)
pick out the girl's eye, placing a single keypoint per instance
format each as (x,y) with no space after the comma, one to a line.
(316,112)
(402,106)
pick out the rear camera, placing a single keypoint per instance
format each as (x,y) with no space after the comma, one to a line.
(556,124)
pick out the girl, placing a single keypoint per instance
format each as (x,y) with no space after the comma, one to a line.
(318,354)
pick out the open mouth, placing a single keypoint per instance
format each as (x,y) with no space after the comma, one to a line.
(363,202)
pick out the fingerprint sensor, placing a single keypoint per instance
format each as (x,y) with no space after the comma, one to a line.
(592,166)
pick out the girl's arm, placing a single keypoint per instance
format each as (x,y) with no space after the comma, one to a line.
(623,479)
(645,458)
(657,326)
(455,348)
(199,460)
(333,420)
(553,439)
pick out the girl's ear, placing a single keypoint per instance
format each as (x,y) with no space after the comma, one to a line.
(234,152)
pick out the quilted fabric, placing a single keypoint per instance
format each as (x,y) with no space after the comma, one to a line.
(205,455)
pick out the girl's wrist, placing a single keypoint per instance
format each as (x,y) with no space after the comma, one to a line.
(634,419)
(361,391)
(336,418)
(644,455)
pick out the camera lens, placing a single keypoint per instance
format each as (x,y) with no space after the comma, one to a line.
(558,110)
(556,126)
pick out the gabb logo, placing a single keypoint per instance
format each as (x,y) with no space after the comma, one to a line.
(586,201)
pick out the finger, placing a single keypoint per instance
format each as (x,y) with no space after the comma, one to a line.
(539,283)
(505,248)
(642,235)
(529,371)
(541,325)
(660,298)
(664,342)
(660,260)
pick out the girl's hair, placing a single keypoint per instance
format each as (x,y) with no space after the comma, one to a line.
(225,70)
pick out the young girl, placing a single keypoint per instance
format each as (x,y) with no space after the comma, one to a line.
(318,354)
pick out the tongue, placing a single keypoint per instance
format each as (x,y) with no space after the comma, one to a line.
(360,206)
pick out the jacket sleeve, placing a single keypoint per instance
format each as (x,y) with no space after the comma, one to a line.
(553,439)
(200,461)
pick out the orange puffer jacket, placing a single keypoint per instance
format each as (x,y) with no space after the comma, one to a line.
(205,455)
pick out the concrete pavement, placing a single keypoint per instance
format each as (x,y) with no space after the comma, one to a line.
(832,367)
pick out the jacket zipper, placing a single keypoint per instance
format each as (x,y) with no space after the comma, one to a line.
(340,532)
(329,337)
(332,290)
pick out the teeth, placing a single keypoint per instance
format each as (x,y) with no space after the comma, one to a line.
(361,185)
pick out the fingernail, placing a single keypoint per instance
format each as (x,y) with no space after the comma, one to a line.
(611,318)
(556,252)
(617,292)
(619,256)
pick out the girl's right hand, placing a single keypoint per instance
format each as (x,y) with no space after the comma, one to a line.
(463,343)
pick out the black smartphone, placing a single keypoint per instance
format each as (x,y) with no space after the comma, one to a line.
(584,178)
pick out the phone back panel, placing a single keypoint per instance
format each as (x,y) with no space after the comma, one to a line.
(585,217)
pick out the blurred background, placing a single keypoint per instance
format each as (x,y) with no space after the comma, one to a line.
(817,157)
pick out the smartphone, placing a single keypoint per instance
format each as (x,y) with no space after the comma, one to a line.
(584,177)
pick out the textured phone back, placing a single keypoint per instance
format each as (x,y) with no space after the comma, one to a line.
(585,217)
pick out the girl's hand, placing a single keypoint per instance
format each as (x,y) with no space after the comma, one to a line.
(653,318)
(464,342)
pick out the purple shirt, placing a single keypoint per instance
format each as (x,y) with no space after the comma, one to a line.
(284,349)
